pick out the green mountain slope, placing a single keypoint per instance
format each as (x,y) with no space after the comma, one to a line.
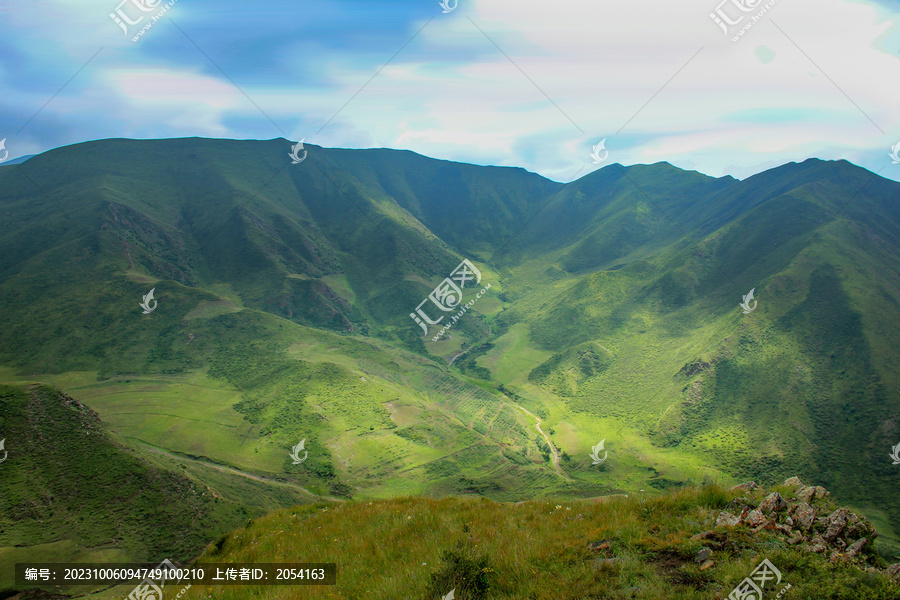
(474,209)
(614,214)
(73,491)
(285,291)
(807,383)
(314,245)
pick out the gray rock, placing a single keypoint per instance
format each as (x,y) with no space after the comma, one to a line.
(817,544)
(894,571)
(782,528)
(773,503)
(822,492)
(804,515)
(726,519)
(806,494)
(855,548)
(737,505)
(793,482)
(744,487)
(836,523)
(755,518)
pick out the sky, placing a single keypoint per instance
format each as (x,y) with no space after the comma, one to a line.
(560,88)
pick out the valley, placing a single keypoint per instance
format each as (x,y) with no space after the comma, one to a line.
(284,300)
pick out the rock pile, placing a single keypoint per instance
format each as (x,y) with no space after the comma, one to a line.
(841,534)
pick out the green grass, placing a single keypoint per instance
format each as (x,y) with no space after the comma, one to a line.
(75,492)
(415,547)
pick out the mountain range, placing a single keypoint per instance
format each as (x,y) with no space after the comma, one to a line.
(284,296)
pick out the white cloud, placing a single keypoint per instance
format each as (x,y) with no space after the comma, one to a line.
(600,63)
(452,94)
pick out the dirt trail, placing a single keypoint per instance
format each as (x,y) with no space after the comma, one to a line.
(233,471)
(554,454)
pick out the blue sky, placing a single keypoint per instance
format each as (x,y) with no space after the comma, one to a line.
(500,82)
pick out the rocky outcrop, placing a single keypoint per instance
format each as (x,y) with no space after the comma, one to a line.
(842,535)
(744,487)
(773,503)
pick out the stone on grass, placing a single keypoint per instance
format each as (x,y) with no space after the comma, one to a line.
(772,503)
(818,544)
(804,515)
(793,482)
(744,487)
(836,523)
(854,549)
(755,518)
(726,519)
(806,494)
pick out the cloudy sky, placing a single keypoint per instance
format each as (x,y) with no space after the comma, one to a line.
(499,82)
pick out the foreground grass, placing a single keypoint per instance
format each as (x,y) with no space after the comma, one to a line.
(423,548)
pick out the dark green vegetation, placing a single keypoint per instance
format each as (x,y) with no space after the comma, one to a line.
(284,298)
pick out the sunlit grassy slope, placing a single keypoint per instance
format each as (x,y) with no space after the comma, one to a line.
(424,548)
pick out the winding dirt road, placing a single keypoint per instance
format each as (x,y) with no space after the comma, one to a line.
(233,471)
(554,454)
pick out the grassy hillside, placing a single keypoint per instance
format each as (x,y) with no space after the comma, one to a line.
(72,491)
(473,209)
(669,547)
(314,246)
